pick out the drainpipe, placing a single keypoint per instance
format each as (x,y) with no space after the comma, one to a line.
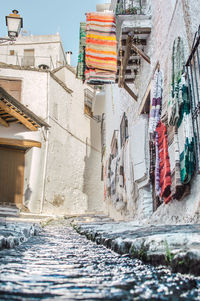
(46,151)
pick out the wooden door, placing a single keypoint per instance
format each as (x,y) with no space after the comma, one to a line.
(11,176)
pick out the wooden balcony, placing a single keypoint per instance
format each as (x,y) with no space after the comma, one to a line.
(133,31)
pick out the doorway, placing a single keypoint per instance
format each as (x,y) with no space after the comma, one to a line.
(12,163)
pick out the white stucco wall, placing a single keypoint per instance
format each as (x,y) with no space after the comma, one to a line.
(169,20)
(70,158)
(34,88)
(73,164)
(48,50)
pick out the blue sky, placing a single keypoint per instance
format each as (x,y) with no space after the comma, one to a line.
(42,17)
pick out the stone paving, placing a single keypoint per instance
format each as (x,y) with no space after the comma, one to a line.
(60,264)
(177,246)
(13,233)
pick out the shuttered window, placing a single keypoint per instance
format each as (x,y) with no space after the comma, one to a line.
(13,87)
(29,58)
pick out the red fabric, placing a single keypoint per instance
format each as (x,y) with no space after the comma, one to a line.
(164,164)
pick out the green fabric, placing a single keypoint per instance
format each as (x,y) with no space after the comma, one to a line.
(187,157)
(175,100)
(187,161)
(185,105)
(80,72)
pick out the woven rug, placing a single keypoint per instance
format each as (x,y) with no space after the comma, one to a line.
(164,164)
(101,48)
(99,77)
(178,63)
(156,101)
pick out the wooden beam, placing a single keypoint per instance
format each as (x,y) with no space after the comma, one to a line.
(17,115)
(20,143)
(148,90)
(129,42)
(141,53)
(3,122)
(126,87)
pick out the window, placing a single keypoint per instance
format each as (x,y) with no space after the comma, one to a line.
(28,59)
(88,99)
(123,130)
(12,86)
(12,52)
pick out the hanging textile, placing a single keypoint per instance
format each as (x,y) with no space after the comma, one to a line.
(80,72)
(156,101)
(185,134)
(157,166)
(164,164)
(177,70)
(139,149)
(177,188)
(101,53)
(128,171)
(97,77)
(152,153)
(114,165)
(108,176)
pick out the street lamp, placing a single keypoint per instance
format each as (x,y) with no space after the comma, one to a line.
(14,24)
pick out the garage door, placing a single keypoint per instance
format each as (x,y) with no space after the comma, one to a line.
(11,176)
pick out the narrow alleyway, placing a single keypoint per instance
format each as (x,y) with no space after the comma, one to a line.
(59,264)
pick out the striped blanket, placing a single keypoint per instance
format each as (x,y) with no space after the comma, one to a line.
(101,44)
(97,77)
(164,164)
(156,101)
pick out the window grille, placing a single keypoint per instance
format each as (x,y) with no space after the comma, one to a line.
(129,7)
(193,75)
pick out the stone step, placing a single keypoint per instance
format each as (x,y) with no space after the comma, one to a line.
(26,215)
(9,211)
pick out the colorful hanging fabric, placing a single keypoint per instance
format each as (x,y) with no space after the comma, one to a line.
(101,51)
(156,101)
(177,187)
(152,153)
(80,72)
(164,164)
(157,166)
(186,136)
(97,77)
(177,71)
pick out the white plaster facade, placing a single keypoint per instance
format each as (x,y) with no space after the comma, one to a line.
(47,50)
(169,20)
(64,175)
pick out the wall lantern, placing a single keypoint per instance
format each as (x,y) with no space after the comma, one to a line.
(14,24)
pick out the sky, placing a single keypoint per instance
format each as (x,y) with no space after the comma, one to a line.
(42,17)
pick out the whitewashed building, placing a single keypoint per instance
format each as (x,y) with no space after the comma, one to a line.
(59,156)
(146,31)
